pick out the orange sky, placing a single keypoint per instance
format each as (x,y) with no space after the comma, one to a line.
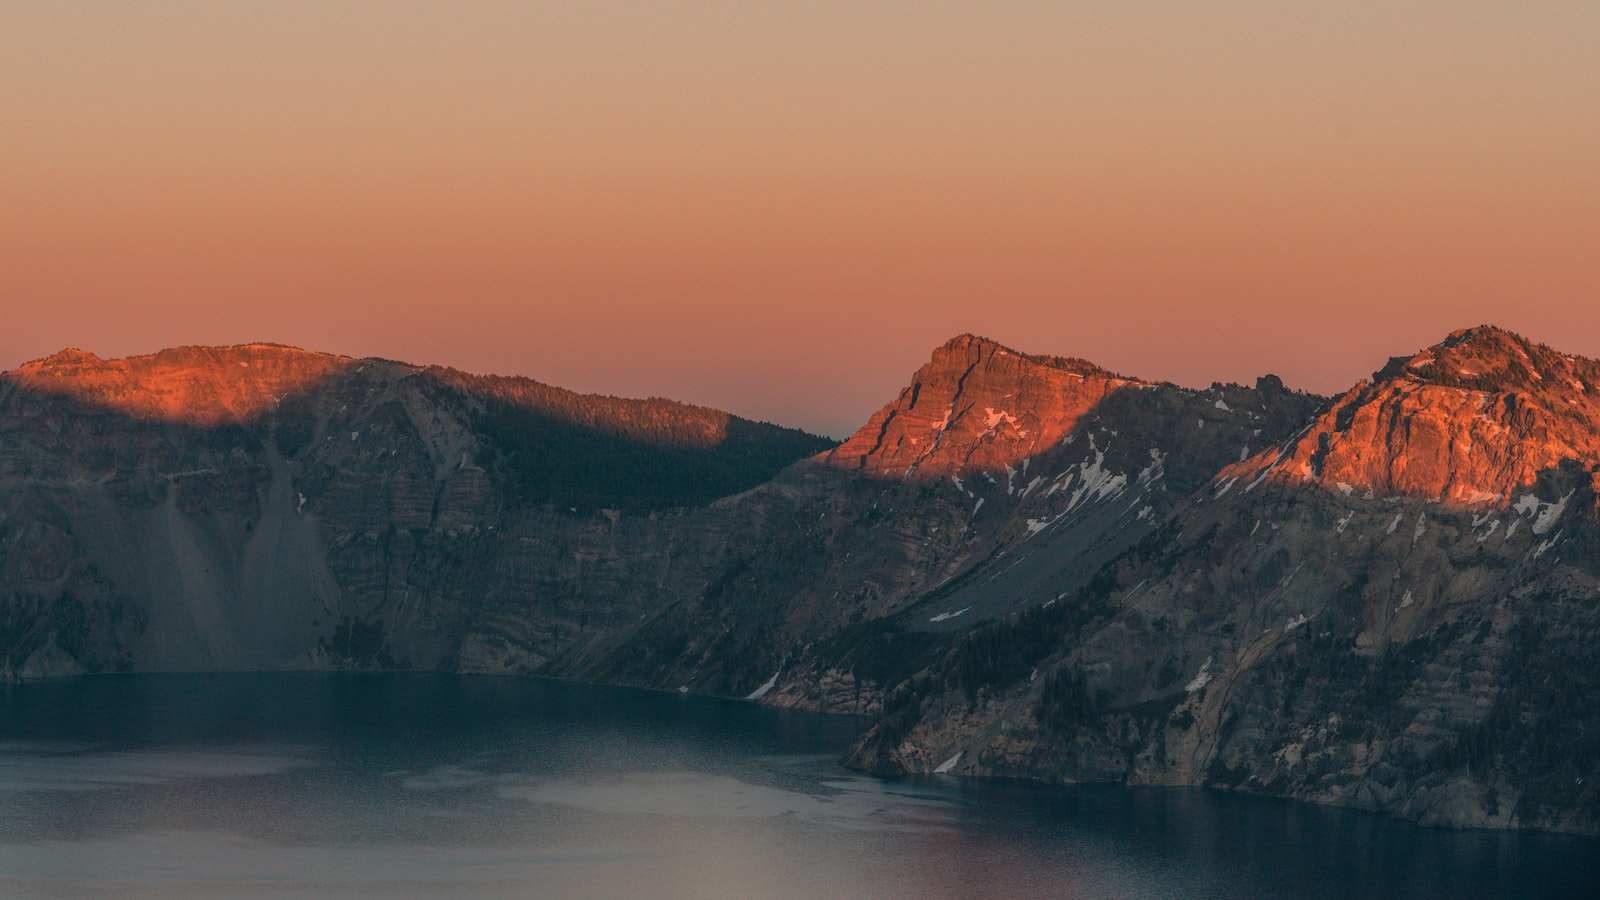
(780,209)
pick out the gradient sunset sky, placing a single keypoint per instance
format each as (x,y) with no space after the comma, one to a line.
(781,208)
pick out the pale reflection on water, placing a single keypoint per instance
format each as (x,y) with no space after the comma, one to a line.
(424,785)
(28,766)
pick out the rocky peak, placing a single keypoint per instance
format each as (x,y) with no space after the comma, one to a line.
(976,406)
(1494,360)
(193,385)
(1471,421)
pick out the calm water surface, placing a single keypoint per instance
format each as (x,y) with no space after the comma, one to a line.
(417,785)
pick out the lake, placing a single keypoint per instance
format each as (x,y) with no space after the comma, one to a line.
(367,784)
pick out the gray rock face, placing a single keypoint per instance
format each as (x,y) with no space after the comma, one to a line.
(263,507)
(1022,566)
(1319,637)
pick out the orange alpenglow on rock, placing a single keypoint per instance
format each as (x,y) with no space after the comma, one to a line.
(189,385)
(1469,421)
(976,407)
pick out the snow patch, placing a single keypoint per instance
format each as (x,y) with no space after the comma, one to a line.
(1396,523)
(1282,452)
(1345,521)
(1222,406)
(1544,515)
(943,617)
(1244,453)
(994,419)
(1546,545)
(947,765)
(1202,679)
(1158,462)
(1407,600)
(300,507)
(1549,513)
(1422,528)
(1294,623)
(1098,482)
(766,687)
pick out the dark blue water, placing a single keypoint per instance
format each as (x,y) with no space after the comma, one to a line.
(266,785)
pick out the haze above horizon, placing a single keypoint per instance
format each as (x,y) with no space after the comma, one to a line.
(779,211)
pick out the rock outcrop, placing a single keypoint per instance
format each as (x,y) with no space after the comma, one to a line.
(266,507)
(977,407)
(1024,566)
(1471,421)
(1394,610)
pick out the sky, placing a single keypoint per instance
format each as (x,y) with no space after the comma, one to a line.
(780,209)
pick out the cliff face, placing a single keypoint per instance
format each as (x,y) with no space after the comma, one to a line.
(1470,421)
(1023,566)
(203,386)
(882,552)
(264,507)
(1393,610)
(976,407)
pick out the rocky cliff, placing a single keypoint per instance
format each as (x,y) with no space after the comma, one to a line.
(1023,566)
(1469,422)
(939,514)
(1395,610)
(265,507)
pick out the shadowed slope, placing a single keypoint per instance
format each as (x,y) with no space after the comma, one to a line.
(1366,621)
(541,444)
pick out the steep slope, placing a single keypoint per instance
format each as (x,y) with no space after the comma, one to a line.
(1471,421)
(881,552)
(262,506)
(976,407)
(1024,566)
(1393,610)
(203,386)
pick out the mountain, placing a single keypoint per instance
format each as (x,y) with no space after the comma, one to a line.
(265,507)
(871,558)
(977,407)
(1022,566)
(1393,609)
(1469,422)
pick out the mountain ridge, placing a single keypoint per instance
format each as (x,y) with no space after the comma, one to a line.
(1024,566)
(1471,420)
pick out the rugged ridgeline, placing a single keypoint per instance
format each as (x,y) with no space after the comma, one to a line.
(995,481)
(1022,566)
(265,507)
(1395,609)
(261,506)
